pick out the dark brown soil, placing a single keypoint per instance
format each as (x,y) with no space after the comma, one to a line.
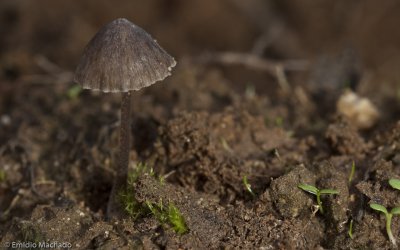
(204,128)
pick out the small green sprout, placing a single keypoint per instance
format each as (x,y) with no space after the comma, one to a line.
(130,204)
(388,216)
(248,186)
(165,214)
(168,215)
(74,91)
(395,183)
(2,176)
(351,229)
(30,233)
(127,198)
(276,154)
(317,192)
(176,219)
(226,146)
(279,121)
(352,171)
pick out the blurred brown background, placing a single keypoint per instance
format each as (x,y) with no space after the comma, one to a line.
(306,29)
(60,29)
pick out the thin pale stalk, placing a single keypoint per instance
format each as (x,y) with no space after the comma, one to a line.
(389,229)
(319,202)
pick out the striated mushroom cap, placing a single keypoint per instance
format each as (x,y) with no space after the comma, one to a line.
(122,57)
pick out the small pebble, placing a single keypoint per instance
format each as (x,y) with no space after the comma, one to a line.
(360,111)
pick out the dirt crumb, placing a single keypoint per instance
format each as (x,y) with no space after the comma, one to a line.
(289,200)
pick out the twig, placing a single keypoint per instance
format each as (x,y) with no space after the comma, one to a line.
(282,80)
(54,73)
(253,61)
(45,64)
(275,68)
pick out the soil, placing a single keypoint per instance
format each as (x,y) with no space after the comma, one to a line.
(204,129)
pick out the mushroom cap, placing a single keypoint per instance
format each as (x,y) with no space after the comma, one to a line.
(122,57)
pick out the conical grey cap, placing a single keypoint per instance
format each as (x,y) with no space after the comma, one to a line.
(122,57)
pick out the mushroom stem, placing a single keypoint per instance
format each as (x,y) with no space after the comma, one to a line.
(123,157)
(124,140)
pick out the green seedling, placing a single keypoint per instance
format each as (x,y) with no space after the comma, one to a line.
(131,205)
(351,229)
(279,121)
(30,233)
(226,146)
(2,176)
(168,215)
(388,217)
(317,192)
(274,152)
(127,198)
(352,171)
(165,214)
(74,91)
(248,186)
(395,183)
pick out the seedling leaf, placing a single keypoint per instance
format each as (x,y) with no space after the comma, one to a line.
(74,91)
(388,216)
(170,215)
(308,188)
(176,219)
(2,176)
(351,229)
(279,121)
(130,204)
(248,186)
(378,207)
(139,169)
(395,210)
(353,170)
(395,183)
(127,197)
(226,146)
(328,191)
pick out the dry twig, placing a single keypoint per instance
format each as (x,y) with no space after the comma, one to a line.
(275,68)
(253,61)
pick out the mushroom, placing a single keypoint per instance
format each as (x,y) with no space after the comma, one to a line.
(122,57)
